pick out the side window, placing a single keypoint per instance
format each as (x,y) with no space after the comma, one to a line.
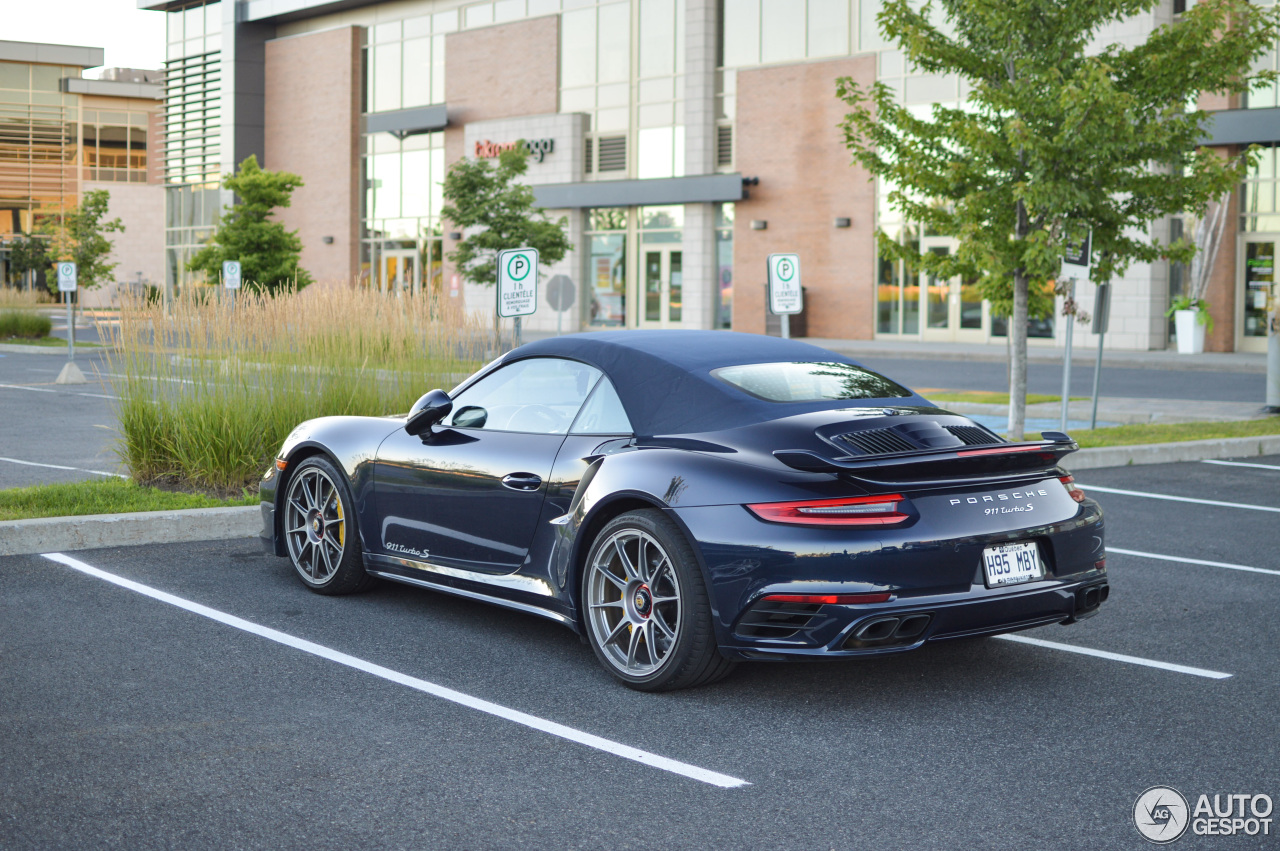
(536,396)
(603,413)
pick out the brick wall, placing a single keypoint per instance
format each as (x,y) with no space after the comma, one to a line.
(787,135)
(140,248)
(313,86)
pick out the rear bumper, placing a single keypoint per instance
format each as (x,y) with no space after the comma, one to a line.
(936,582)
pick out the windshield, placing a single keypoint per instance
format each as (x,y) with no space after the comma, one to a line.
(809,382)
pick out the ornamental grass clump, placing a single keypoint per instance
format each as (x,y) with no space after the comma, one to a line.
(208,393)
(23,323)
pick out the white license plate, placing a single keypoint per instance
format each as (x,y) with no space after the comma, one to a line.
(1009,564)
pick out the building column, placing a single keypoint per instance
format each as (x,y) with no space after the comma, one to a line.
(699,252)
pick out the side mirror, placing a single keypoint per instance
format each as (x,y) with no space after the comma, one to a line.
(427,411)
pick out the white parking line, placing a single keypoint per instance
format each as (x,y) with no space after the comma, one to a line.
(61,467)
(24,387)
(1118,657)
(684,769)
(1241,464)
(1101,489)
(1228,565)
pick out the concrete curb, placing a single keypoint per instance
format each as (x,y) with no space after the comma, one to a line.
(92,531)
(1164,453)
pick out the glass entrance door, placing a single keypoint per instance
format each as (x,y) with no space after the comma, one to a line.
(400,272)
(951,310)
(663,270)
(1257,277)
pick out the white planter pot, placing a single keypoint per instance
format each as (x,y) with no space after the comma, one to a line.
(1190,332)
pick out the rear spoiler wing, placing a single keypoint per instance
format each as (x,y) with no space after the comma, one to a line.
(942,465)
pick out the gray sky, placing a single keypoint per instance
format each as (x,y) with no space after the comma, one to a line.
(132,38)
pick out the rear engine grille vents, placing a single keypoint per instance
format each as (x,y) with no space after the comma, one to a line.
(769,619)
(973,435)
(878,441)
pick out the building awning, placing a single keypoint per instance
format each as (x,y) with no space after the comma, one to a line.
(408,122)
(705,188)
(1243,127)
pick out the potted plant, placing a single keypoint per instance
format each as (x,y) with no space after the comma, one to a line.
(1191,321)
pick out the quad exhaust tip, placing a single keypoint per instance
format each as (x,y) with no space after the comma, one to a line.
(890,630)
(1092,597)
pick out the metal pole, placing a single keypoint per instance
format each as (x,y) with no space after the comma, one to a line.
(1273,355)
(516,341)
(785,322)
(1066,361)
(71,329)
(1097,373)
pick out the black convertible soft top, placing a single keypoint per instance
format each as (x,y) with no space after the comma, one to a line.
(664,377)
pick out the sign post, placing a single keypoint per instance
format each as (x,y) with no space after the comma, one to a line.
(1075,264)
(1273,354)
(1101,318)
(785,294)
(517,285)
(71,373)
(231,278)
(66,286)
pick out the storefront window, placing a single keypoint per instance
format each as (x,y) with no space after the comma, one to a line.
(1258,196)
(724,265)
(1260,274)
(605,285)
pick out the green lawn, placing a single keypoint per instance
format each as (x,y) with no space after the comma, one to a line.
(47,342)
(1134,435)
(101,496)
(989,397)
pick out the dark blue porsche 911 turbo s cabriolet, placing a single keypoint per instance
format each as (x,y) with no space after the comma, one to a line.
(686,499)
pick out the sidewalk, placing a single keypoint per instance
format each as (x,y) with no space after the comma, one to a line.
(1083,353)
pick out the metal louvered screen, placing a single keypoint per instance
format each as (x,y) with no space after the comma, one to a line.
(878,441)
(973,435)
(612,154)
(588,161)
(724,145)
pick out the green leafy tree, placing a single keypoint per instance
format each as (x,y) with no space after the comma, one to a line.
(501,212)
(29,253)
(1056,137)
(268,253)
(80,235)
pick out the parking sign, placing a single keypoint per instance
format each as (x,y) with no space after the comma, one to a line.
(517,282)
(66,277)
(785,295)
(231,274)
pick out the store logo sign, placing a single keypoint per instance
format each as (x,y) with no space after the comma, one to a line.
(537,148)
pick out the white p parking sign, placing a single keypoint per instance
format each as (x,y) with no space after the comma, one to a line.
(66,277)
(231,274)
(517,282)
(785,295)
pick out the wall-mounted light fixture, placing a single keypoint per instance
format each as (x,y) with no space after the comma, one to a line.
(759,224)
(455,235)
(842,222)
(327,240)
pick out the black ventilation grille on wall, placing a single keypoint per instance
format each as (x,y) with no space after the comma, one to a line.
(613,154)
(588,163)
(724,145)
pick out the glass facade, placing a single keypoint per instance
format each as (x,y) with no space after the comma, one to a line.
(114,145)
(404,62)
(604,301)
(39,147)
(403,182)
(193,134)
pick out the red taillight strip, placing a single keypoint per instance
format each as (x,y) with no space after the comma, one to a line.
(1001,450)
(879,510)
(1069,482)
(830,599)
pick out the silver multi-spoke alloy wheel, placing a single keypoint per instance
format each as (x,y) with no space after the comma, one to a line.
(634,602)
(314,525)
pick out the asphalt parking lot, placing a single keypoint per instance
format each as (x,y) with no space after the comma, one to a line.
(214,702)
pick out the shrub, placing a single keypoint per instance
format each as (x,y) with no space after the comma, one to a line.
(208,394)
(23,323)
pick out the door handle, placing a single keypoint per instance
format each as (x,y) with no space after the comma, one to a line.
(522,481)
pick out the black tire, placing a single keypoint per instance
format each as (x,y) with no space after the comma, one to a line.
(320,529)
(644,560)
